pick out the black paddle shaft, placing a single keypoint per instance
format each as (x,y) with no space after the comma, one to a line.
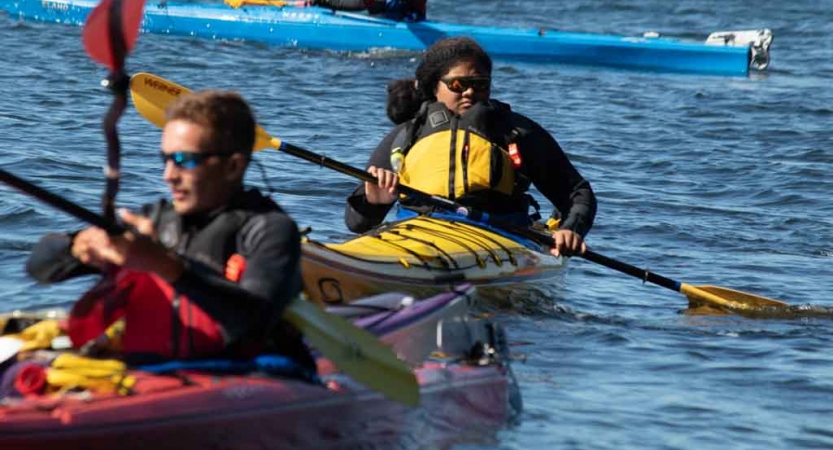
(642,274)
(449,205)
(118,82)
(338,166)
(60,203)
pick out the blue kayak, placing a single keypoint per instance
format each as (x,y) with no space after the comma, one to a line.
(320,28)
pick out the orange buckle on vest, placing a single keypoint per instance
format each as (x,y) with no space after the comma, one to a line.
(515,155)
(235,266)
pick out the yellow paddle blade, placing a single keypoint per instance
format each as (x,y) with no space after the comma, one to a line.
(729,299)
(355,351)
(152,94)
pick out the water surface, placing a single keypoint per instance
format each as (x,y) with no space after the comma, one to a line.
(710,180)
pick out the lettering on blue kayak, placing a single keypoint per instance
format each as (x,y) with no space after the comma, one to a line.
(160,86)
(55,5)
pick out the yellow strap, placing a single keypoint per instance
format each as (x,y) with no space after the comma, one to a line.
(69,371)
(276,3)
(64,379)
(39,335)
(553,224)
(82,364)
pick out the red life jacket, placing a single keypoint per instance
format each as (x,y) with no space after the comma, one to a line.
(158,322)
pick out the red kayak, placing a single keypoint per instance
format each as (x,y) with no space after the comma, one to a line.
(467,392)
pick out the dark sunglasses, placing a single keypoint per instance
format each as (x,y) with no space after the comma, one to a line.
(462,84)
(189,160)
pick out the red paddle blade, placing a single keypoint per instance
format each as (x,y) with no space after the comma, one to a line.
(96,35)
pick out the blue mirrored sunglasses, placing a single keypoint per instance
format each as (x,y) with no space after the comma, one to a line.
(189,160)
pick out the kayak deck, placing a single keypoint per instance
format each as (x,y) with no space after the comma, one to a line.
(421,256)
(466,395)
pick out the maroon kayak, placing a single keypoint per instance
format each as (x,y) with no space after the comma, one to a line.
(466,385)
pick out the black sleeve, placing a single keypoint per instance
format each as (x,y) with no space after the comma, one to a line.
(271,246)
(51,260)
(554,176)
(342,5)
(359,215)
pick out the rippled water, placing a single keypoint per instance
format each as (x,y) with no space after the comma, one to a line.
(709,180)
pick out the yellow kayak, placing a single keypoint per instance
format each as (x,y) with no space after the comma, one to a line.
(422,255)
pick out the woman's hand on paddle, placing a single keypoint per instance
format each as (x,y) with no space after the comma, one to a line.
(567,243)
(384,191)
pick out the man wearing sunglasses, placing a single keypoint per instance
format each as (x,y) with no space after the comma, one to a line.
(205,274)
(454,141)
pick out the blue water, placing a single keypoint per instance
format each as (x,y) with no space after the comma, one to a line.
(709,180)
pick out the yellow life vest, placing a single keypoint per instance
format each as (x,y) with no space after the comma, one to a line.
(453,156)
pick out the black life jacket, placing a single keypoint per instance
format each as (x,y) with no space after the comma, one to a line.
(215,244)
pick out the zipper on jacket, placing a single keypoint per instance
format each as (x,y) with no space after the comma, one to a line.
(175,304)
(175,328)
(452,159)
(189,326)
(464,156)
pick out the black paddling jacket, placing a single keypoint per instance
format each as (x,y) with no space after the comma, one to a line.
(252,226)
(542,163)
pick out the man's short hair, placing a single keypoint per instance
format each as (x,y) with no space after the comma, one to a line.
(225,115)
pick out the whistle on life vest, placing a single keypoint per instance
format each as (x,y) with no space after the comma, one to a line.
(235,266)
(515,155)
(397,159)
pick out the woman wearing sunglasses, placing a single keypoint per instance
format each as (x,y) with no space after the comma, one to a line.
(206,274)
(453,140)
